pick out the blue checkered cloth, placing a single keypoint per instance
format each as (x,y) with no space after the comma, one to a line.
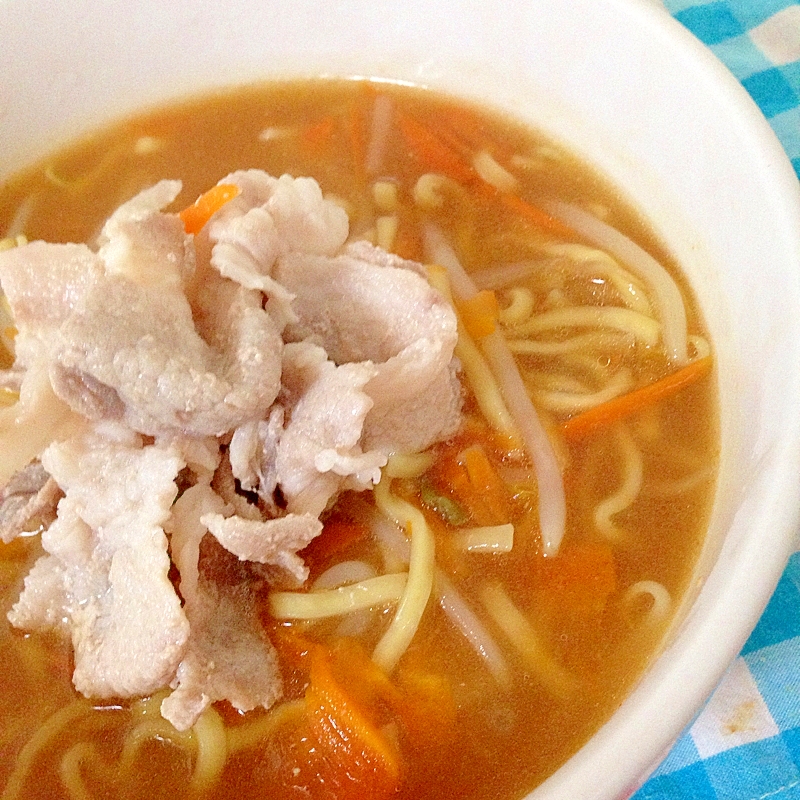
(745,743)
(759,42)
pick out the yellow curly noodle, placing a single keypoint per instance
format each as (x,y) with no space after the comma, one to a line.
(47,733)
(419,585)
(629,487)
(539,661)
(205,744)
(371,593)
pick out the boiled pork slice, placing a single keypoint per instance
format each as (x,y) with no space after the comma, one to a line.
(304,221)
(118,332)
(106,575)
(272,216)
(363,306)
(189,406)
(142,343)
(44,284)
(228,656)
(145,246)
(38,418)
(319,452)
(272,541)
(253,453)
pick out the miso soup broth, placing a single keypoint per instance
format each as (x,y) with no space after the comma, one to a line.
(500,629)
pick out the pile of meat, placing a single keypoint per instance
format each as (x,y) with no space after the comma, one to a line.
(189,406)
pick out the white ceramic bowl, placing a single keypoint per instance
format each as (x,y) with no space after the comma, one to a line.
(622,84)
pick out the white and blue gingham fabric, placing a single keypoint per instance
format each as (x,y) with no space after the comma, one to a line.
(759,42)
(745,743)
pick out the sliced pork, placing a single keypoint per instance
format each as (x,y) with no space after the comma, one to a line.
(272,216)
(38,418)
(303,219)
(229,656)
(145,246)
(141,342)
(253,454)
(364,306)
(189,406)
(273,541)
(320,450)
(108,551)
(44,284)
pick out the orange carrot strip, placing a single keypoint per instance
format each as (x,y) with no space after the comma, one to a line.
(443,152)
(468,126)
(337,535)
(581,578)
(433,153)
(314,137)
(358,139)
(479,313)
(358,760)
(294,649)
(481,473)
(465,473)
(627,404)
(195,216)
(465,133)
(427,708)
(487,483)
(368,684)
(451,478)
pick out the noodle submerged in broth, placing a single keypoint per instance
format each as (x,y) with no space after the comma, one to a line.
(380,482)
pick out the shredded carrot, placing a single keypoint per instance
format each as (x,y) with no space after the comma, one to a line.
(627,404)
(365,680)
(338,534)
(466,475)
(451,477)
(470,128)
(294,648)
(358,124)
(427,710)
(581,578)
(479,313)
(486,481)
(195,216)
(342,746)
(356,758)
(442,151)
(433,152)
(314,138)
(358,141)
